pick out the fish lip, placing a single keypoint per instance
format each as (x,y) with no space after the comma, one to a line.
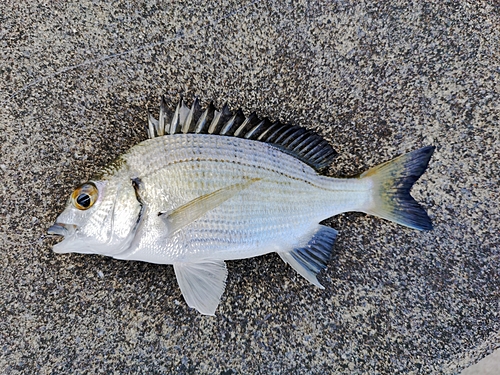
(68,232)
(61,229)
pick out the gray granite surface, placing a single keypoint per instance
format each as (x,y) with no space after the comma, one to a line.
(374,78)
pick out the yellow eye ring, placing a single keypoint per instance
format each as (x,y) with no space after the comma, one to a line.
(84,196)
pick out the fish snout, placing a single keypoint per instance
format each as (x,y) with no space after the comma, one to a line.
(61,229)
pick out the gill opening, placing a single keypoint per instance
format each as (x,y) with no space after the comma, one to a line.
(136,183)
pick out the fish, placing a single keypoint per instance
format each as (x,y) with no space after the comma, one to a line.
(210,186)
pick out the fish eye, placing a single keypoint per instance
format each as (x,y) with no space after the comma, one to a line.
(84,196)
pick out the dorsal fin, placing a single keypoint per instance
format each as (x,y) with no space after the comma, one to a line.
(297,141)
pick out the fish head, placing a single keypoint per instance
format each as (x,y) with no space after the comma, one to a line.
(99,218)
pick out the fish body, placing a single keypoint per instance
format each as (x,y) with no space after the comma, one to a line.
(211,186)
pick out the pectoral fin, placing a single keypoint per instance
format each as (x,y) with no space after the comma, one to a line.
(189,212)
(202,284)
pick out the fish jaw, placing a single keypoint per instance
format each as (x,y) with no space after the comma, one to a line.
(67,231)
(76,240)
(60,229)
(69,244)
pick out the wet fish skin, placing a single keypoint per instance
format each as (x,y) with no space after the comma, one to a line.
(211,186)
(292,199)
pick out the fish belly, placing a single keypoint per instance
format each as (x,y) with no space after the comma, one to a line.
(279,211)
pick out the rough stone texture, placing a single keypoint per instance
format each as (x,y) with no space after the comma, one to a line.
(375,78)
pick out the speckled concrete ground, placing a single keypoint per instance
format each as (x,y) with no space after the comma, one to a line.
(376,79)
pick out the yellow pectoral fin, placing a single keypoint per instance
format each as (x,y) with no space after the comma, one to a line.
(189,212)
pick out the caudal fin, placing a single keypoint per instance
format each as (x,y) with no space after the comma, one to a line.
(392,182)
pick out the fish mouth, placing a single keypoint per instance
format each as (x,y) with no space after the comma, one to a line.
(67,231)
(61,229)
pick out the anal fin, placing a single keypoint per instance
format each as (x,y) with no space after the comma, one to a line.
(202,284)
(309,260)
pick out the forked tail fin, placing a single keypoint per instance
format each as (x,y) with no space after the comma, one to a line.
(392,182)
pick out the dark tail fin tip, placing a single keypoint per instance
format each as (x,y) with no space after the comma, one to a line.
(393,181)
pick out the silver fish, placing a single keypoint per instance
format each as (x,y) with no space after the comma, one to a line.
(209,186)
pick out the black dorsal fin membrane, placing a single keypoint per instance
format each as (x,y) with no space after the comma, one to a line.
(297,141)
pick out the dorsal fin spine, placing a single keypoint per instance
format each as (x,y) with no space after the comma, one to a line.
(201,122)
(297,141)
(269,132)
(284,136)
(228,125)
(254,130)
(189,118)
(152,125)
(175,118)
(276,133)
(244,124)
(310,147)
(160,128)
(290,140)
(215,121)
